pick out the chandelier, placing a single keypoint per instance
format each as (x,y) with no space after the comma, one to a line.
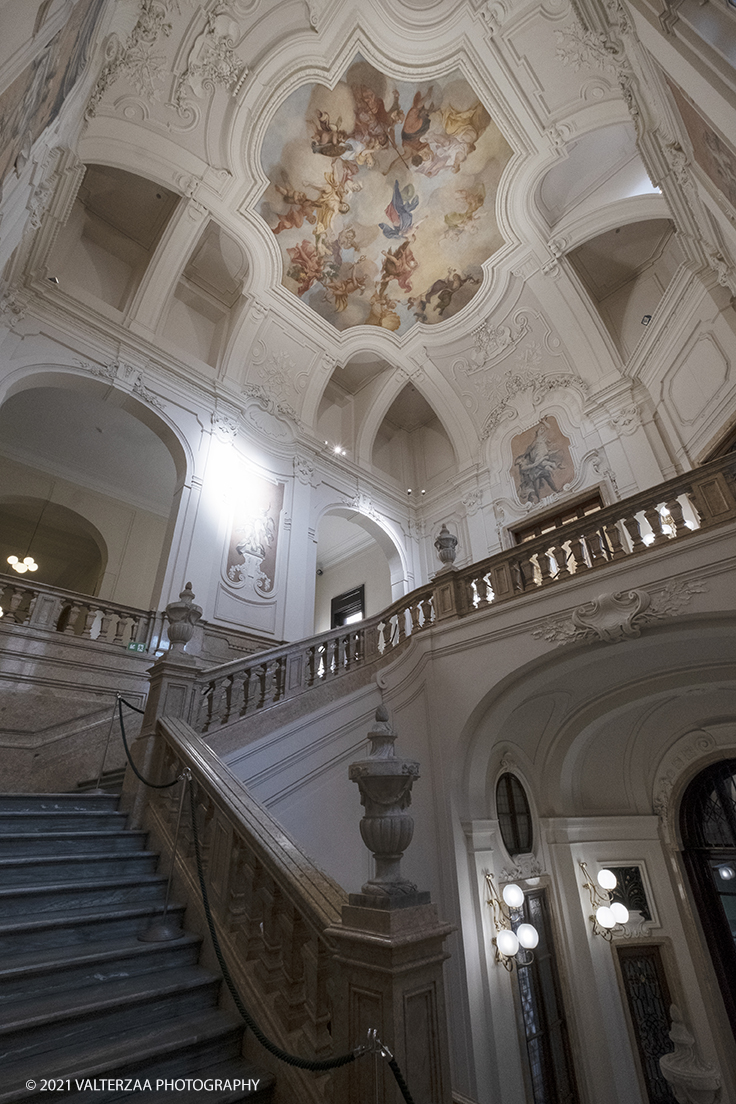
(28,563)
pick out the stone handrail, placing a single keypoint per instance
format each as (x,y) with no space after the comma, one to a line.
(698,500)
(38,606)
(271,904)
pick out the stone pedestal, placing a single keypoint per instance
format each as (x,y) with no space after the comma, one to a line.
(390,979)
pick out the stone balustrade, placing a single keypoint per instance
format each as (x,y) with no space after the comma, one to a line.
(271,904)
(702,499)
(37,606)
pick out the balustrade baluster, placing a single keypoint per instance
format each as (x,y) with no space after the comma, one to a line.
(318,969)
(245,905)
(545,569)
(312,671)
(121,623)
(71,625)
(204,714)
(577,553)
(415,614)
(291,999)
(427,610)
(13,612)
(525,568)
(237,694)
(269,967)
(401,624)
(594,544)
(105,620)
(653,516)
(613,540)
(358,646)
(89,621)
(560,554)
(674,509)
(633,528)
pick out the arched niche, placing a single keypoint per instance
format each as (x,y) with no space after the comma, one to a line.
(90,447)
(367,555)
(70,552)
(411,444)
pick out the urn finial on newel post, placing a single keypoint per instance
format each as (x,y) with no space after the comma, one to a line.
(182,617)
(446,545)
(385,784)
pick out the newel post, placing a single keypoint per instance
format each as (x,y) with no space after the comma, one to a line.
(172,679)
(390,948)
(447,598)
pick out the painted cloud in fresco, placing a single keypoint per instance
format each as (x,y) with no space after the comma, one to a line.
(381,197)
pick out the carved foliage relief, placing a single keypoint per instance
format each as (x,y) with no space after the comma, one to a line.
(541,464)
(381,196)
(253,541)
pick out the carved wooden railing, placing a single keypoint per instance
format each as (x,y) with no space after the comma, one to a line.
(38,606)
(660,517)
(271,904)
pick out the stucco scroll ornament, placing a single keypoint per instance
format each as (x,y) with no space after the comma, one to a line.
(577,47)
(212,61)
(224,426)
(145,393)
(525,868)
(303,470)
(686,751)
(102,371)
(692,1080)
(613,617)
(593,620)
(136,59)
(13,305)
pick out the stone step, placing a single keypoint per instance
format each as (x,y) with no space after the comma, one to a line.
(209,1040)
(68,1021)
(69,843)
(60,820)
(37,900)
(61,868)
(79,927)
(57,802)
(62,968)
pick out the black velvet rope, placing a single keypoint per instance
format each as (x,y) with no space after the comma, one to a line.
(136,772)
(130,705)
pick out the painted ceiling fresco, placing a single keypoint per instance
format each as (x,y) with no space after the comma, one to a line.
(382,197)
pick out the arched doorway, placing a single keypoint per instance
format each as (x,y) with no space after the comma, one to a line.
(354,551)
(93,451)
(70,552)
(708,826)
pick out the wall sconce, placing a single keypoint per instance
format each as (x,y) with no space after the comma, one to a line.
(511,942)
(607,916)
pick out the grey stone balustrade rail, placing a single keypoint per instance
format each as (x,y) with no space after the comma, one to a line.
(38,606)
(701,499)
(271,904)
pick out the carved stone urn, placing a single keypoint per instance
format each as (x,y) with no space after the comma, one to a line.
(385,784)
(446,545)
(182,617)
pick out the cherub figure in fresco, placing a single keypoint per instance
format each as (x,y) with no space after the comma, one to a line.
(341,288)
(383,313)
(398,265)
(416,125)
(444,289)
(301,207)
(331,202)
(306,266)
(400,212)
(374,123)
(457,222)
(328,138)
(452,145)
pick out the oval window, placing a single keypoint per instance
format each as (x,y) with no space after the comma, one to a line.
(514,815)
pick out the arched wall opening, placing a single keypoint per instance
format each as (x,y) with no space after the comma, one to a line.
(71,554)
(89,448)
(352,551)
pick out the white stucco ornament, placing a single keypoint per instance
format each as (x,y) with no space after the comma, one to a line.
(692,1080)
(612,617)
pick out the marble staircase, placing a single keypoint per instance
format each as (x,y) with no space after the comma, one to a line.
(83,1001)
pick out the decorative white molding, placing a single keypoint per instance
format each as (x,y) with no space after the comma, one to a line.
(615,617)
(528,376)
(224,426)
(525,867)
(612,617)
(136,59)
(101,371)
(304,470)
(689,748)
(693,1081)
(212,61)
(578,47)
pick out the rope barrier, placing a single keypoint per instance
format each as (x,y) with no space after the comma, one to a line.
(136,772)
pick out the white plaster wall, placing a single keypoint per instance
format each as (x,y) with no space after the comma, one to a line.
(370,568)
